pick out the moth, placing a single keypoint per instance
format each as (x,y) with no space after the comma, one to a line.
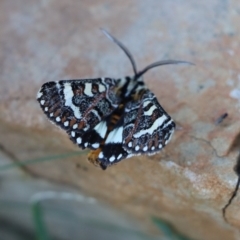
(115,118)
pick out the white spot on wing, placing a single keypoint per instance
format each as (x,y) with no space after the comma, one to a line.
(66,123)
(68,95)
(100,155)
(150,110)
(75,126)
(58,119)
(112,158)
(101,129)
(86,128)
(145,148)
(101,88)
(119,156)
(79,140)
(88,89)
(146,103)
(46,109)
(39,94)
(115,136)
(42,102)
(73,134)
(95,145)
(137,148)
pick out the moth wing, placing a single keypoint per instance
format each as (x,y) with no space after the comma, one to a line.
(111,150)
(147,127)
(79,107)
(144,128)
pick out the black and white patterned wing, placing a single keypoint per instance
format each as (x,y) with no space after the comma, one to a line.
(147,127)
(143,128)
(112,150)
(79,107)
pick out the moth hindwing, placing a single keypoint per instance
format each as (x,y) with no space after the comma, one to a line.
(115,118)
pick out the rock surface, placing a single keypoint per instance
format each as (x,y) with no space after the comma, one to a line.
(189,182)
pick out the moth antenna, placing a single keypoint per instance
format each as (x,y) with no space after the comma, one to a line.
(123,48)
(160,63)
(234,194)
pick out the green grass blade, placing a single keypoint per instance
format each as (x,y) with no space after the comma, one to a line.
(42,159)
(39,223)
(168,230)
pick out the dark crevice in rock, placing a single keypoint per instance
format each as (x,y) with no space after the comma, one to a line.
(208,143)
(234,193)
(235,144)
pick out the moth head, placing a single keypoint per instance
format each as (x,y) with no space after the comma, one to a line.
(138,75)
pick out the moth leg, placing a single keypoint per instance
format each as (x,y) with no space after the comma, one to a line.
(93,158)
